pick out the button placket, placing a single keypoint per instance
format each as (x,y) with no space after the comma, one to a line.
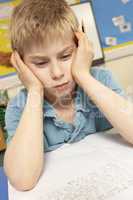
(80,124)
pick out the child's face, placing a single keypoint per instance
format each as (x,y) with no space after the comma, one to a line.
(51,63)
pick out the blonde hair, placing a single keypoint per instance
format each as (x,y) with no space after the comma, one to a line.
(35,20)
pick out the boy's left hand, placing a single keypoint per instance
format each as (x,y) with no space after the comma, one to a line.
(83,57)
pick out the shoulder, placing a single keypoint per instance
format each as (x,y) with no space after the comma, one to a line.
(101,73)
(13,113)
(109,79)
(106,77)
(18,101)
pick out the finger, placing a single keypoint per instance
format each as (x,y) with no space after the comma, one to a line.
(80,37)
(88,43)
(24,68)
(21,64)
(81,40)
(13,62)
(84,44)
(89,47)
(79,28)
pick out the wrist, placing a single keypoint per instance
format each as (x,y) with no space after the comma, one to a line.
(83,78)
(36,93)
(35,99)
(36,90)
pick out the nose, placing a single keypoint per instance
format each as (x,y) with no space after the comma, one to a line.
(57,71)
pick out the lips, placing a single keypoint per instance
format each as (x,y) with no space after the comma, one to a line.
(61,85)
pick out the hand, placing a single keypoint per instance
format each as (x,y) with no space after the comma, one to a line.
(83,56)
(29,80)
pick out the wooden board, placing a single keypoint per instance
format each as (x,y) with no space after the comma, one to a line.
(2,140)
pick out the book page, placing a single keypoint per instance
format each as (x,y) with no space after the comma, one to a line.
(98,167)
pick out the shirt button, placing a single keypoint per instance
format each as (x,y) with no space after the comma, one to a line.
(69,129)
(66,139)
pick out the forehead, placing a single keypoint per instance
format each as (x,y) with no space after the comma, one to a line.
(51,44)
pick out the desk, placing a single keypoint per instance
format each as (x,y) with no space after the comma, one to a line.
(100,166)
(3,185)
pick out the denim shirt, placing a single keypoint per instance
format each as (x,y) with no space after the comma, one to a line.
(88,118)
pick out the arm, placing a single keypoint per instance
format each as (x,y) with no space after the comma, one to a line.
(116,109)
(24,157)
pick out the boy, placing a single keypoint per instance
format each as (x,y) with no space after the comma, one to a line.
(64,99)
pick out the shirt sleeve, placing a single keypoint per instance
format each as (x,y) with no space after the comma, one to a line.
(12,115)
(106,77)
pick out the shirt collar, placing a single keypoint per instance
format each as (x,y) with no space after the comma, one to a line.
(81,103)
(48,109)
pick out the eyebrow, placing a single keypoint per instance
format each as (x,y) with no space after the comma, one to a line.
(45,57)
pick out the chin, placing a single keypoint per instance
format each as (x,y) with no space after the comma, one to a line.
(66,92)
(54,93)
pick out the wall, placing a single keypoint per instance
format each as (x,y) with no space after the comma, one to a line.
(123,69)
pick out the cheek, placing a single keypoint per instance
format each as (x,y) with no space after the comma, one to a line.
(33,68)
(42,75)
(67,67)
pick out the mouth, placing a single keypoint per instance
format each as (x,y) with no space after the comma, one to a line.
(62,86)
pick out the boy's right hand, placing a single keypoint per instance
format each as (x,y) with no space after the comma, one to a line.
(29,80)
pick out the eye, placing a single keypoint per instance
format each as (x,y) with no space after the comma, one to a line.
(41,63)
(66,56)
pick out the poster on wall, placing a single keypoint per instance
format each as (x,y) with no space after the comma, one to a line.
(115,24)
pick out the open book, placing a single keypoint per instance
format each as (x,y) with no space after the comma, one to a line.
(98,167)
